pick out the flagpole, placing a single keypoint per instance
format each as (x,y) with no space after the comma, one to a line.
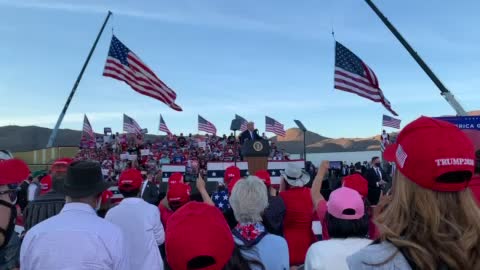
(443,90)
(53,135)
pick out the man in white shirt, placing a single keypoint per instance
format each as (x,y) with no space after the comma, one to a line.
(140,223)
(76,238)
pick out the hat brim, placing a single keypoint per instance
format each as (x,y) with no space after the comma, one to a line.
(81,193)
(298,182)
(389,152)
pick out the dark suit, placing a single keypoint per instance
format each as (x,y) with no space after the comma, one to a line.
(373,190)
(151,194)
(245,136)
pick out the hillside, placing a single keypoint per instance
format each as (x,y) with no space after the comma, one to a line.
(16,139)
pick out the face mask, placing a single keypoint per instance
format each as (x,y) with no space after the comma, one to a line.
(7,232)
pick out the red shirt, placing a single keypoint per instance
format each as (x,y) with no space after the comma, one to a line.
(297,224)
(474,186)
(165,214)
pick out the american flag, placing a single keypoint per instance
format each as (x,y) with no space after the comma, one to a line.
(391,122)
(272,125)
(122,64)
(204,125)
(87,128)
(354,76)
(163,127)
(243,122)
(130,125)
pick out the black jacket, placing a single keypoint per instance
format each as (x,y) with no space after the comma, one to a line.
(245,136)
(43,207)
(373,190)
(151,194)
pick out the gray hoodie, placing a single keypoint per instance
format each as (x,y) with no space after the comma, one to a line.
(372,257)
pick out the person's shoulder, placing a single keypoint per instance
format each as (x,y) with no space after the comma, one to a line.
(383,255)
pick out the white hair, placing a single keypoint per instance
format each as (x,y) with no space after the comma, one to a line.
(249,199)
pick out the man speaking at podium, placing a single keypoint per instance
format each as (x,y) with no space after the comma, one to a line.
(250,134)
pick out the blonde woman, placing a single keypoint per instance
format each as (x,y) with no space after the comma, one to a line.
(431,220)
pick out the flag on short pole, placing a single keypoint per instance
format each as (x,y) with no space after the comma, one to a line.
(130,125)
(87,128)
(122,64)
(204,125)
(272,125)
(388,121)
(354,76)
(163,127)
(243,122)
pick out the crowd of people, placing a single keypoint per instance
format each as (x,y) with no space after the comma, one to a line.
(120,151)
(424,217)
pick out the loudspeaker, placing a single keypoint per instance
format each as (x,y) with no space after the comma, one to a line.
(236,124)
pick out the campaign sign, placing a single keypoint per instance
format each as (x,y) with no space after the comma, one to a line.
(470,125)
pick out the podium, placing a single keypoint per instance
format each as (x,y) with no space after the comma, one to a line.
(256,154)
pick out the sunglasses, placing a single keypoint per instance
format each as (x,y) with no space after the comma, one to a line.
(12,193)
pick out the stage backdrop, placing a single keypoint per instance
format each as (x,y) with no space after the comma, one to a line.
(470,125)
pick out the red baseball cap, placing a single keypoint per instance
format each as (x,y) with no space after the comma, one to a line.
(61,165)
(175,178)
(130,180)
(106,195)
(231,173)
(356,182)
(428,148)
(13,171)
(178,194)
(45,184)
(264,175)
(210,237)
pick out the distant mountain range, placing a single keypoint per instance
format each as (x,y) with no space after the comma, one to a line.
(17,139)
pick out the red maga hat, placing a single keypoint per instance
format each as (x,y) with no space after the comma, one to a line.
(264,175)
(356,182)
(178,194)
(130,180)
(175,178)
(210,237)
(428,148)
(13,171)
(232,173)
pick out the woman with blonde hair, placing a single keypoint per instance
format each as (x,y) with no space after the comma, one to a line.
(431,220)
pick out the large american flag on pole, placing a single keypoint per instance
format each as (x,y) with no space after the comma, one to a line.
(388,121)
(122,64)
(87,128)
(272,125)
(130,125)
(243,122)
(354,76)
(204,125)
(163,127)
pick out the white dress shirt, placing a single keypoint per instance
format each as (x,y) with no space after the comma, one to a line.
(143,231)
(77,239)
(32,192)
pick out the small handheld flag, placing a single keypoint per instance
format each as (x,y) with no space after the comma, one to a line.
(388,121)
(243,122)
(163,127)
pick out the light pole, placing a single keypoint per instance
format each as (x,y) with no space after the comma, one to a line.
(304,130)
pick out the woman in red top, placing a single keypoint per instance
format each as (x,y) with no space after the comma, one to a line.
(297,224)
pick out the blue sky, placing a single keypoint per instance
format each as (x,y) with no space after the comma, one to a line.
(254,58)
